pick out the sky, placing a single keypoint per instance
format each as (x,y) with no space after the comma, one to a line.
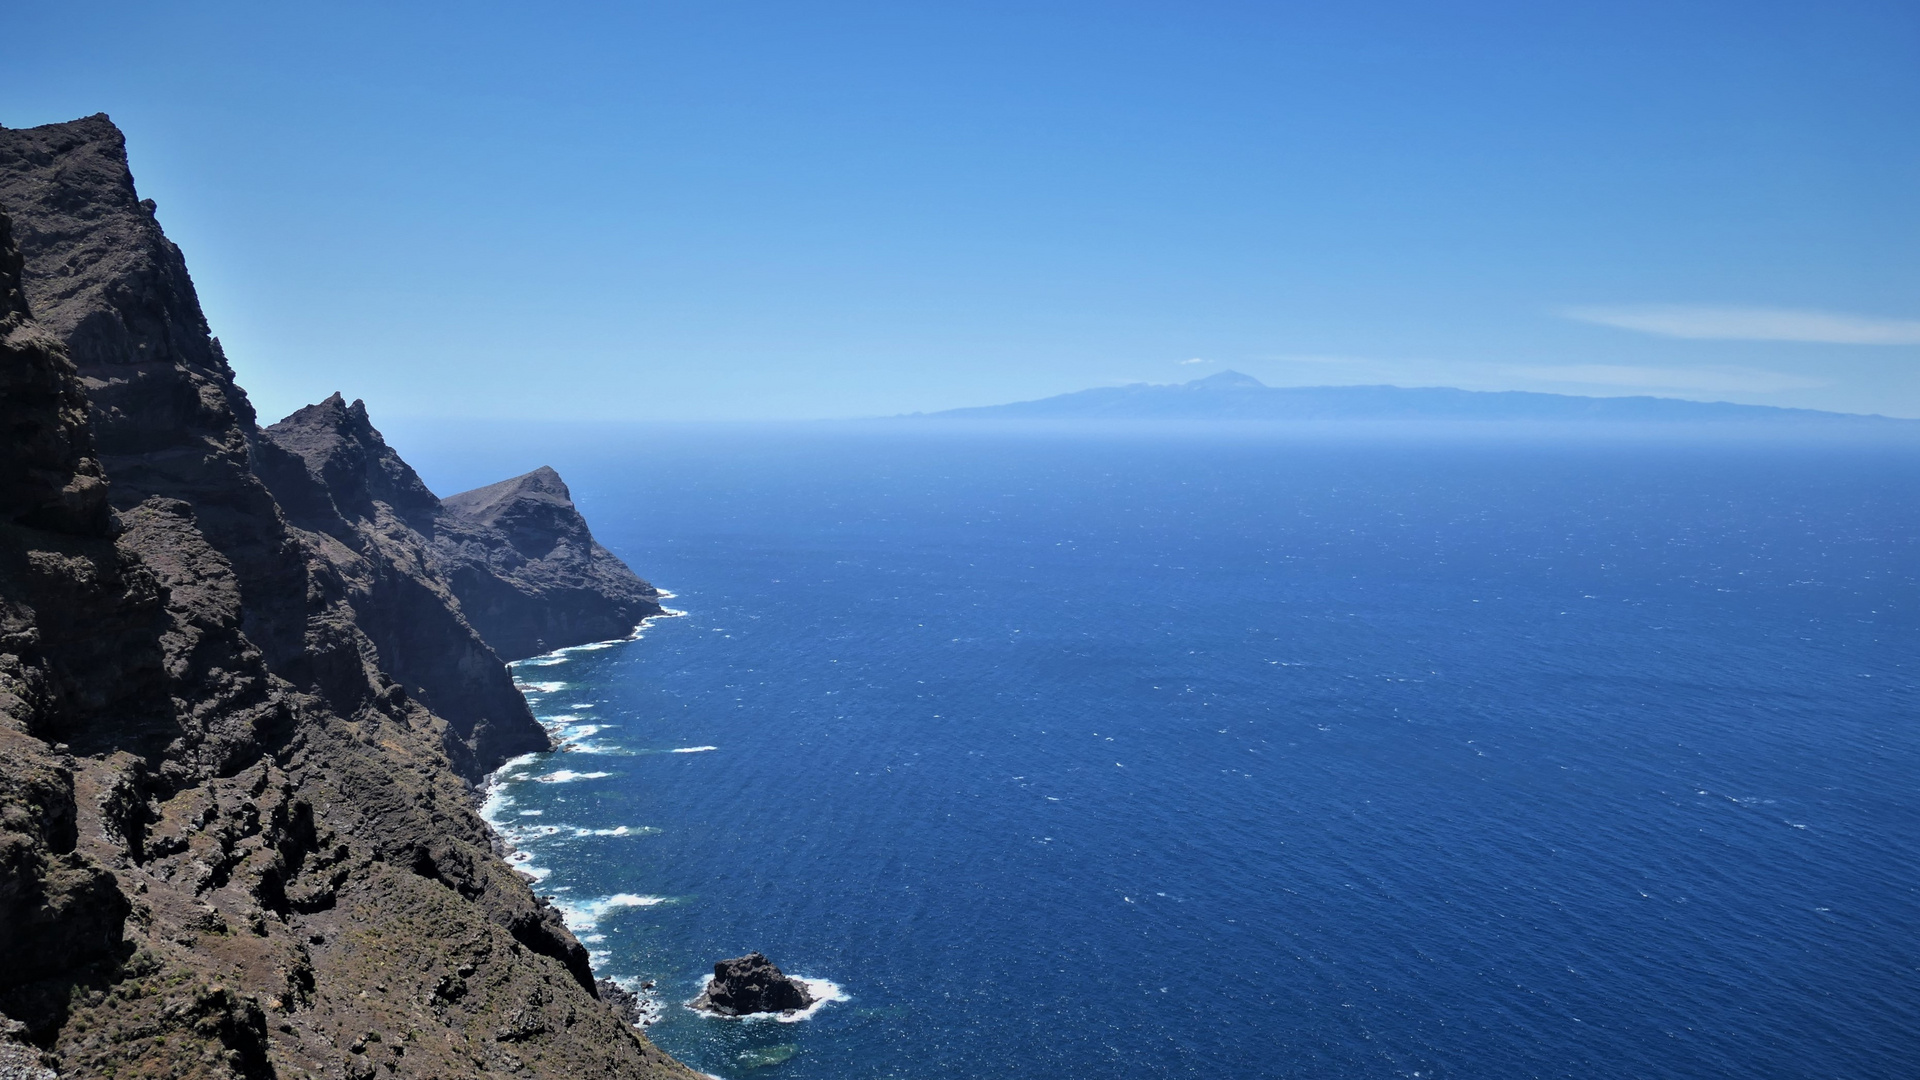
(800,209)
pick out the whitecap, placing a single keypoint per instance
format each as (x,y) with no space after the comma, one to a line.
(574,737)
(665,613)
(593,749)
(693,749)
(497,802)
(527,869)
(593,646)
(586,914)
(618,830)
(553,687)
(564,776)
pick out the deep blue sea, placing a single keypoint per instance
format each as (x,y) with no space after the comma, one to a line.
(1241,757)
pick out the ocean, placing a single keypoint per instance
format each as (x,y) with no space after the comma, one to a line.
(1164,756)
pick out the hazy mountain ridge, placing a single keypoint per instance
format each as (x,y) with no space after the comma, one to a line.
(1231,395)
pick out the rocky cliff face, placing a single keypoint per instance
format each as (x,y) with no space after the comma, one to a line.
(239,706)
(356,504)
(529,575)
(516,558)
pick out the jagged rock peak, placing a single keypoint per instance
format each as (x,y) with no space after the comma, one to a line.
(102,276)
(529,574)
(347,455)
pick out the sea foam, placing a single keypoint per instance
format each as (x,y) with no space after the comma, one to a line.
(584,915)
(567,776)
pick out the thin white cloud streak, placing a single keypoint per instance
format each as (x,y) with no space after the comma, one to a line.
(1310,358)
(1753,324)
(1712,380)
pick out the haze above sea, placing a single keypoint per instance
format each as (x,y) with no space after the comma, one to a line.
(1159,756)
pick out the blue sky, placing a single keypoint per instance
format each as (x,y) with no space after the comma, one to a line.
(806,209)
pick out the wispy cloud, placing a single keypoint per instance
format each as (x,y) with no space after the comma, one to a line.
(1195,360)
(1314,358)
(1710,379)
(1753,324)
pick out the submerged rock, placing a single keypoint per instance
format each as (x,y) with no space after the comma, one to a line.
(766,1056)
(626,1004)
(751,984)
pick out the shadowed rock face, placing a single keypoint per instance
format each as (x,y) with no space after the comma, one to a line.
(529,574)
(513,568)
(337,479)
(751,984)
(59,908)
(167,416)
(233,842)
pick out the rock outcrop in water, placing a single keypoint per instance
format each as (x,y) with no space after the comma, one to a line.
(241,709)
(751,984)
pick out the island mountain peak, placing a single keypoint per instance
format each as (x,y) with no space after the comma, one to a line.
(1227,380)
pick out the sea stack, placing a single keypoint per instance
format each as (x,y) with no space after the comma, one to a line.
(751,984)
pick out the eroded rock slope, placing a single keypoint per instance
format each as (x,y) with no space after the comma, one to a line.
(240,707)
(528,573)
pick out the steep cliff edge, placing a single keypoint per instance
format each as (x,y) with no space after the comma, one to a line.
(517,557)
(366,511)
(529,574)
(233,842)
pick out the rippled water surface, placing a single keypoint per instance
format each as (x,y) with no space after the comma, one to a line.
(1185,758)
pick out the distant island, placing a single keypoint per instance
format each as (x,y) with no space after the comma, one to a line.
(1233,396)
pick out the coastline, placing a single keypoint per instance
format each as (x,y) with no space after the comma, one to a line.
(641,1005)
(548,659)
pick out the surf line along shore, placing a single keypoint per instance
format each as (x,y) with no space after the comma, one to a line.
(747,988)
(567,734)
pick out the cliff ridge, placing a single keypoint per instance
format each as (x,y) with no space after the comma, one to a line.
(242,708)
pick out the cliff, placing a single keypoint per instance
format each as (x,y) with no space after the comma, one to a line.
(240,705)
(528,573)
(360,507)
